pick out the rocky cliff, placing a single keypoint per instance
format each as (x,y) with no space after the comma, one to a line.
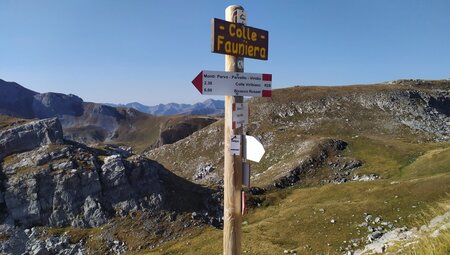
(47,105)
(29,136)
(46,181)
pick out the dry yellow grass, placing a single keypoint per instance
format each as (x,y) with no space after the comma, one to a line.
(415,172)
(435,241)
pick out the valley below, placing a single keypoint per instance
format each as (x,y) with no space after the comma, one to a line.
(356,169)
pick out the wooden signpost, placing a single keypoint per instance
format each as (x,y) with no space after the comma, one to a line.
(236,40)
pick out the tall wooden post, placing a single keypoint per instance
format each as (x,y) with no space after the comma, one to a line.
(233,163)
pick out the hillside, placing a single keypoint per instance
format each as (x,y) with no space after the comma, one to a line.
(128,127)
(297,123)
(93,123)
(340,153)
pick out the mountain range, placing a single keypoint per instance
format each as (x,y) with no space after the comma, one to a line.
(91,123)
(208,107)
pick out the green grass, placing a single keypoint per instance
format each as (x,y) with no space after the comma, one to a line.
(430,245)
(92,236)
(384,156)
(415,177)
(426,243)
(294,221)
(432,162)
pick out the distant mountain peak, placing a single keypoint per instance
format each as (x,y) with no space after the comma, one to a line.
(16,86)
(207,107)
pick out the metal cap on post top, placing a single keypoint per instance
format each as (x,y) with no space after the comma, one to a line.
(236,14)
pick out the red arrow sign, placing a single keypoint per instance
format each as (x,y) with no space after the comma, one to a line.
(233,84)
(198,82)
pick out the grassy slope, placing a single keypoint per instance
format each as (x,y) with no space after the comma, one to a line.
(339,115)
(291,219)
(142,130)
(425,243)
(7,122)
(415,176)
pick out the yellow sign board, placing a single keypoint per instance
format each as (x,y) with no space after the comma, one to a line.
(239,40)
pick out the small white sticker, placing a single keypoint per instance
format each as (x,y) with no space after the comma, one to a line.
(240,115)
(235,145)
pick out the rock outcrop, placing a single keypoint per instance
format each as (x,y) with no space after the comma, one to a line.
(98,123)
(51,183)
(36,241)
(30,136)
(401,109)
(74,188)
(48,105)
(325,152)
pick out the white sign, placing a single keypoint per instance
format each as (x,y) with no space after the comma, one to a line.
(235,145)
(254,150)
(234,84)
(240,115)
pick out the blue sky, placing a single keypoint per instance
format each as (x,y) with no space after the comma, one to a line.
(149,51)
